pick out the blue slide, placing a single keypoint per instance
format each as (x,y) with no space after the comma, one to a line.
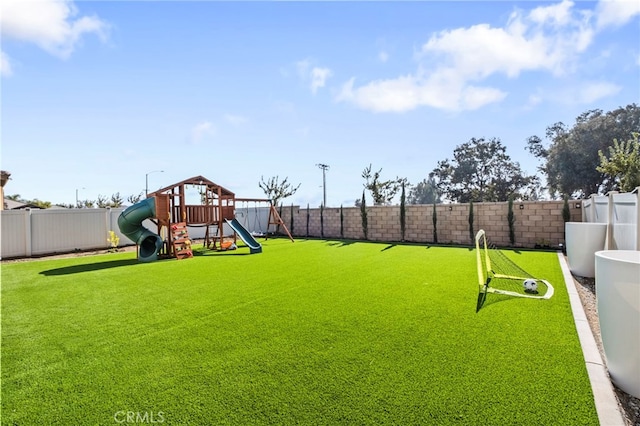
(130,224)
(254,246)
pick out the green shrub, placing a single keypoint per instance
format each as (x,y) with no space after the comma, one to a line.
(566,213)
(471,233)
(402,213)
(363,214)
(434,218)
(511,220)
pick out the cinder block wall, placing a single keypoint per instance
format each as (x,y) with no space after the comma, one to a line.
(537,223)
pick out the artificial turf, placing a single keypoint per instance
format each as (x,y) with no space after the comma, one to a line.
(311,332)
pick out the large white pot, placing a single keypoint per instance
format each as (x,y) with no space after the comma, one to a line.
(618,297)
(584,239)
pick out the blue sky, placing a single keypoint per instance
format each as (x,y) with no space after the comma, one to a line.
(96,95)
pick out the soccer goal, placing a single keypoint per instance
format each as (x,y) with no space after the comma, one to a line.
(498,274)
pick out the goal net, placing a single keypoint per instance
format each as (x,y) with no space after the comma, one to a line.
(498,274)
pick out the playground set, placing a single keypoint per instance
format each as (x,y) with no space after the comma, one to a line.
(168,210)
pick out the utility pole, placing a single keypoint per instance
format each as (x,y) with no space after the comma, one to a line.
(324,168)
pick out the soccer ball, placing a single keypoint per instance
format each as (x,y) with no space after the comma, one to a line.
(530,286)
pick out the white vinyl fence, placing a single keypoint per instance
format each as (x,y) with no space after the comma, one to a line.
(596,209)
(623,224)
(26,233)
(621,213)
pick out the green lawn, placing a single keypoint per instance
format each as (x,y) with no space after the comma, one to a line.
(311,332)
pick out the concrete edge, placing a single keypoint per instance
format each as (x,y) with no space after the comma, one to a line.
(603,394)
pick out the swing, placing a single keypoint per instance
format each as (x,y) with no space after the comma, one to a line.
(244,213)
(256,220)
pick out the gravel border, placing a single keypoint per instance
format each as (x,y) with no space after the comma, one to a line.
(630,406)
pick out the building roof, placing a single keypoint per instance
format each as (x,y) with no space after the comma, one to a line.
(18,205)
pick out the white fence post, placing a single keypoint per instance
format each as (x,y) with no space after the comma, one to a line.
(27,232)
(608,242)
(637,192)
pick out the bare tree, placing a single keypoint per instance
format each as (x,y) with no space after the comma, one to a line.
(382,192)
(276,190)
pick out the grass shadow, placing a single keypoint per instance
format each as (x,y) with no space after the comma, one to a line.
(221,253)
(493,298)
(341,243)
(77,269)
(390,246)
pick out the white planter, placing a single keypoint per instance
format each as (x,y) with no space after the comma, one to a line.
(618,298)
(584,239)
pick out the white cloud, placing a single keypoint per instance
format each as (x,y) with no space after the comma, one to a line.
(200,131)
(52,25)
(616,12)
(555,14)
(575,93)
(383,56)
(545,39)
(396,95)
(303,68)
(452,63)
(319,77)
(235,120)
(534,99)
(5,65)
(409,92)
(594,91)
(316,77)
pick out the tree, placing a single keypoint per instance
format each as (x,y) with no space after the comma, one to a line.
(622,167)
(116,200)
(434,219)
(382,192)
(471,233)
(134,199)
(85,204)
(39,203)
(566,213)
(482,171)
(511,221)
(102,202)
(363,215)
(570,162)
(425,192)
(292,221)
(275,190)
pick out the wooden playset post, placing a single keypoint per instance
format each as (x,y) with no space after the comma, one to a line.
(220,216)
(163,217)
(275,219)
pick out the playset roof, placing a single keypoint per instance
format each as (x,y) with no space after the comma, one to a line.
(196,180)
